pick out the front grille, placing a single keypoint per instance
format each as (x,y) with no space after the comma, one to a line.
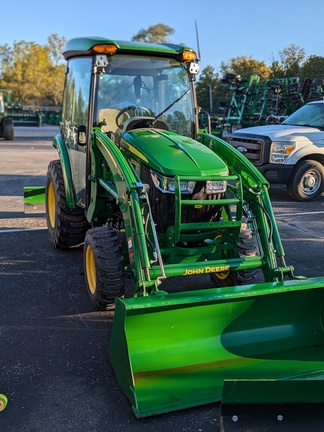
(252,148)
(163,204)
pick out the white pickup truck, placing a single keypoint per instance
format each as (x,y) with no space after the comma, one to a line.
(291,152)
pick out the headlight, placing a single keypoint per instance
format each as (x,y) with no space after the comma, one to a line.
(186,187)
(215,187)
(167,184)
(280,150)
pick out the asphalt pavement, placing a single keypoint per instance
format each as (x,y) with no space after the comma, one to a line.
(54,364)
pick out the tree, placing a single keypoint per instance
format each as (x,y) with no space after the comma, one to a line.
(291,60)
(276,69)
(312,68)
(55,75)
(33,73)
(245,66)
(207,86)
(23,70)
(154,34)
(56,46)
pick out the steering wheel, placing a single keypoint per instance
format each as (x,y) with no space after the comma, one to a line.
(131,111)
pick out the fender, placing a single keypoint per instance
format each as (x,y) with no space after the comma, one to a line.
(305,150)
(58,143)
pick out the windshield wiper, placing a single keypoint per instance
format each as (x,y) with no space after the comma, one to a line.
(168,107)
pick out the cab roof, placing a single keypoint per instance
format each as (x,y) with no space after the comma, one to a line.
(82,46)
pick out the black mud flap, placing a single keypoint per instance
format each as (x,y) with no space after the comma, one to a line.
(271,405)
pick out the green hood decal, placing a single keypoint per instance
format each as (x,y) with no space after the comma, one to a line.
(170,153)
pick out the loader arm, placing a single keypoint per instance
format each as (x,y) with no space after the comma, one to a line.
(256,194)
(115,177)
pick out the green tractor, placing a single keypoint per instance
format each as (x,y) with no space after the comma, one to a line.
(154,199)
(6,123)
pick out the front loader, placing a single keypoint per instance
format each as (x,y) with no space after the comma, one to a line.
(153,199)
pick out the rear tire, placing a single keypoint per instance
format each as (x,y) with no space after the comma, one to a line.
(67,227)
(8,129)
(246,248)
(103,267)
(306,181)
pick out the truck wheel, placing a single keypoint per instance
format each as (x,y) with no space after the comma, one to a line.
(67,227)
(103,266)
(306,181)
(8,129)
(246,248)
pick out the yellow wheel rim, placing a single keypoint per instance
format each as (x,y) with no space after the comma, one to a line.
(90,269)
(51,205)
(222,275)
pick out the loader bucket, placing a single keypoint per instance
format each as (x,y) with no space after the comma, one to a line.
(174,351)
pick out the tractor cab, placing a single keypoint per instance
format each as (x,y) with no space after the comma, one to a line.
(115,87)
(129,90)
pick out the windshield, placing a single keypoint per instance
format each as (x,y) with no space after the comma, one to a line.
(143,86)
(309,115)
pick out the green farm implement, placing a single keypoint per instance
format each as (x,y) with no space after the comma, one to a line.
(155,201)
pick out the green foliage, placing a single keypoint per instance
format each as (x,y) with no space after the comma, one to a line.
(245,66)
(276,70)
(312,68)
(154,34)
(291,60)
(207,88)
(33,73)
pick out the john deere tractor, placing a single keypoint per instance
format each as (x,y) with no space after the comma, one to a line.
(152,197)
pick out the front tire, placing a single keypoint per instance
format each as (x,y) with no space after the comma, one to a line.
(103,266)
(306,181)
(67,227)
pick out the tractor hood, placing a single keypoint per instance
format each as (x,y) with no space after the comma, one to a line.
(171,154)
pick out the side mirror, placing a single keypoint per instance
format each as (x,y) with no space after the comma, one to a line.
(81,135)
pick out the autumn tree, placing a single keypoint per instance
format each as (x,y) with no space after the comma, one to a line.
(312,68)
(276,70)
(158,33)
(55,75)
(291,59)
(245,66)
(33,73)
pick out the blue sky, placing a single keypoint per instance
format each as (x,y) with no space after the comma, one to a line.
(227,29)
